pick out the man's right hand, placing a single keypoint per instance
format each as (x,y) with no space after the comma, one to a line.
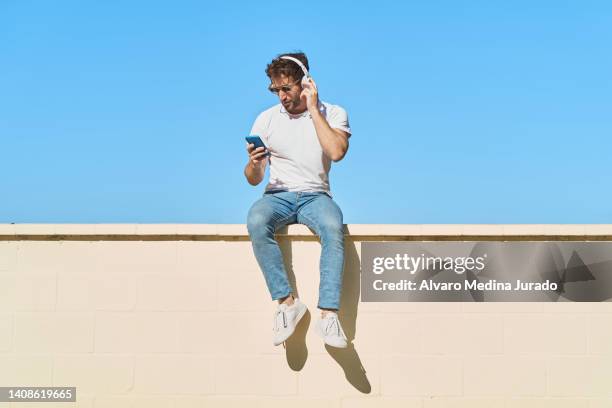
(257,157)
(254,170)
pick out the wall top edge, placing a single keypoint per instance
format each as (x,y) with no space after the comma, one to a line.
(362,230)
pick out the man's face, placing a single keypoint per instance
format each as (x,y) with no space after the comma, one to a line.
(289,91)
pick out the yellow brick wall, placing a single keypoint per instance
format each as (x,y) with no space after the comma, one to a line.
(136,324)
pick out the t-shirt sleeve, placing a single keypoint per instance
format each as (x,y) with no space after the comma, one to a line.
(338,119)
(260,127)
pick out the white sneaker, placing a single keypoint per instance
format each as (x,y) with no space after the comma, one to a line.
(330,330)
(285,319)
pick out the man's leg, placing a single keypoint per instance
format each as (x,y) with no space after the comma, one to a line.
(323,215)
(265,216)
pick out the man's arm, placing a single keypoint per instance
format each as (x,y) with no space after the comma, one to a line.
(255,169)
(333,141)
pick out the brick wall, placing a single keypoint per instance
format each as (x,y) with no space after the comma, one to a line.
(179,316)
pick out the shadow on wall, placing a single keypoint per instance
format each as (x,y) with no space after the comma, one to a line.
(348,358)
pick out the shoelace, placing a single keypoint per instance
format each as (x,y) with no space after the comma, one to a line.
(280,312)
(333,321)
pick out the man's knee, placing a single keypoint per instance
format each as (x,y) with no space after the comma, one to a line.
(258,221)
(331,228)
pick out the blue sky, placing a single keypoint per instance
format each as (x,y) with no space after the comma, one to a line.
(462,112)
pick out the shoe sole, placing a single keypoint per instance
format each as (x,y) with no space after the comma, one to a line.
(337,345)
(301,314)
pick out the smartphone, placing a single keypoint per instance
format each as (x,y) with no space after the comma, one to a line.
(256,140)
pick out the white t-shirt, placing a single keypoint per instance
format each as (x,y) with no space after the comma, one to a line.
(297,161)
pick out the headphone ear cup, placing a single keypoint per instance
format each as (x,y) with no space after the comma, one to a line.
(305,80)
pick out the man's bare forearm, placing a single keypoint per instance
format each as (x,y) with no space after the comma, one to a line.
(254,173)
(334,145)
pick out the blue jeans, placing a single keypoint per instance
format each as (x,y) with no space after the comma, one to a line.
(314,209)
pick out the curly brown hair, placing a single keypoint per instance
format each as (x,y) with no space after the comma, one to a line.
(287,68)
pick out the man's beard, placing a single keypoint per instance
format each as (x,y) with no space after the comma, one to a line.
(292,104)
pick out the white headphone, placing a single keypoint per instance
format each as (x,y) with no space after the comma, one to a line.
(297,61)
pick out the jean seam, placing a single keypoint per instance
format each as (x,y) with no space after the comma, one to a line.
(314,223)
(276,224)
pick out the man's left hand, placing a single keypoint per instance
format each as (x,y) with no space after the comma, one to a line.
(310,92)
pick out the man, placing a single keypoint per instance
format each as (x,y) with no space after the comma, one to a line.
(303,136)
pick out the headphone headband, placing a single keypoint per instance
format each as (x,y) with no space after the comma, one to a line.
(297,61)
